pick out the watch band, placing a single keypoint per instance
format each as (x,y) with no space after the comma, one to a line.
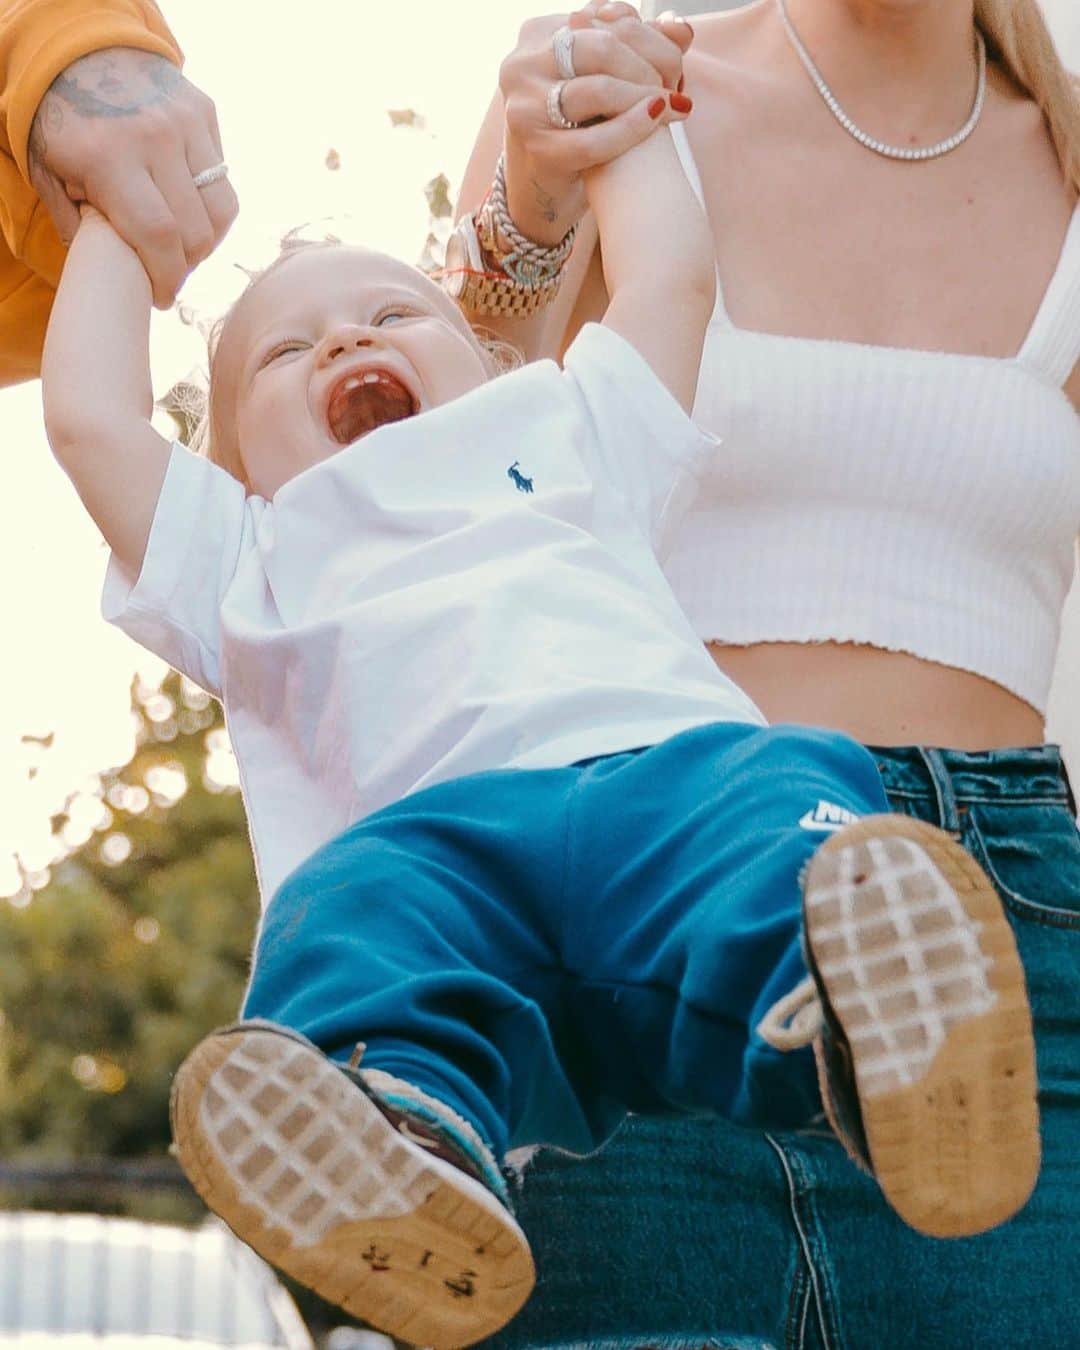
(481,287)
(493,269)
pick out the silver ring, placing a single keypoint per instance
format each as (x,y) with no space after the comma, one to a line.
(211,175)
(562,44)
(555,113)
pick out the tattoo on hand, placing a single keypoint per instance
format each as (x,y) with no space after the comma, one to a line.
(37,144)
(114,82)
(99,85)
(549,207)
(49,117)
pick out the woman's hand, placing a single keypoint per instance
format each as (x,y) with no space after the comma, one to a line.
(662,42)
(620,63)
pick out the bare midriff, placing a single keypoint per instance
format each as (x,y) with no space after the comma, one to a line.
(879,697)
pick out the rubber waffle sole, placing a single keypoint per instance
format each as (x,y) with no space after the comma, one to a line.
(306,1170)
(920,967)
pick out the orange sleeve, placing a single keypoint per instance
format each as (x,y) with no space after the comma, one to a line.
(39,39)
(25,302)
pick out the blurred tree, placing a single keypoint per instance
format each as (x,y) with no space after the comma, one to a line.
(136,948)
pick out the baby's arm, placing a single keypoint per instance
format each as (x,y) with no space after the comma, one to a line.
(659,259)
(96,387)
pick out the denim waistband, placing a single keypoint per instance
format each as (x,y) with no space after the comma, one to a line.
(1035,774)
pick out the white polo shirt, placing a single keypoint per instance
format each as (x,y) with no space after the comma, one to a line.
(473,588)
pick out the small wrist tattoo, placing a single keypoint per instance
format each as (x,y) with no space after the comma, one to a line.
(549,207)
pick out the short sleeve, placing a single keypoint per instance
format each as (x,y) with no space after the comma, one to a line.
(202,527)
(644,442)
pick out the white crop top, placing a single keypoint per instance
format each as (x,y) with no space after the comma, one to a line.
(918,501)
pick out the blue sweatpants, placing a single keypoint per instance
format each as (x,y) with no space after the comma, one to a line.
(545,950)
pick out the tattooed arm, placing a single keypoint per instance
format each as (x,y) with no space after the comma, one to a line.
(123,130)
(554,205)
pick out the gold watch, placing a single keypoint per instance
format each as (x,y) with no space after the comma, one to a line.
(480,286)
(493,269)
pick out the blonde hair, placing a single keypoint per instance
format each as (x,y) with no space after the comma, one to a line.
(1016,35)
(193,407)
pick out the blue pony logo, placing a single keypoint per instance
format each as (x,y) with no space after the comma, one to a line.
(519,480)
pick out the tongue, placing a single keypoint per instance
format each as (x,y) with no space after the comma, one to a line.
(354,412)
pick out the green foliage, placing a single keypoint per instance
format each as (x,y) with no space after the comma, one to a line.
(112,972)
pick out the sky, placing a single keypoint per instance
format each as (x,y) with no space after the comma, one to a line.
(288,91)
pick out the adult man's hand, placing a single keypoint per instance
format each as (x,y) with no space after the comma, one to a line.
(123,130)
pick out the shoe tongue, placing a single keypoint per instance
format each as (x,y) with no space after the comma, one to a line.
(355,412)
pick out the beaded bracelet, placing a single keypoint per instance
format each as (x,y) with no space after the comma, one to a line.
(493,269)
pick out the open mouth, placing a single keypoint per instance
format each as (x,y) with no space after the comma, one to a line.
(369,399)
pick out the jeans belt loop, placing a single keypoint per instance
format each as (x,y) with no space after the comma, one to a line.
(948,810)
(1069,794)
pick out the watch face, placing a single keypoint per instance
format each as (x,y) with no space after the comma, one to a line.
(455,275)
(453,283)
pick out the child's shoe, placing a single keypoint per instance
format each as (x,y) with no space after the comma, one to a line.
(917,1010)
(361,1187)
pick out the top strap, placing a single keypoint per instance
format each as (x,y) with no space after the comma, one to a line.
(690,168)
(1052,347)
(686,155)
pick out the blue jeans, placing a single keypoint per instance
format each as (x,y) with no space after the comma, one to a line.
(692,1233)
(544,950)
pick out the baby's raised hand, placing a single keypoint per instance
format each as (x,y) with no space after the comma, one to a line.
(88,213)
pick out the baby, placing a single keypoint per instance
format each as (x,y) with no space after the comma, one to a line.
(529,859)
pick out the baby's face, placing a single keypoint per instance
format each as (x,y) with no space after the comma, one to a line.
(331,344)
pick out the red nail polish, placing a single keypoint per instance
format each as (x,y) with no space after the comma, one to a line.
(680,103)
(681,85)
(656,107)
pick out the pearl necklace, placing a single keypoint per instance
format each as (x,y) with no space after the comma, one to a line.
(871,143)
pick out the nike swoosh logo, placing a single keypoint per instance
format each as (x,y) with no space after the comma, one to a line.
(410,1134)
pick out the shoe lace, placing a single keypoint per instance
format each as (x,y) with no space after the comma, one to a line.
(794,1020)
